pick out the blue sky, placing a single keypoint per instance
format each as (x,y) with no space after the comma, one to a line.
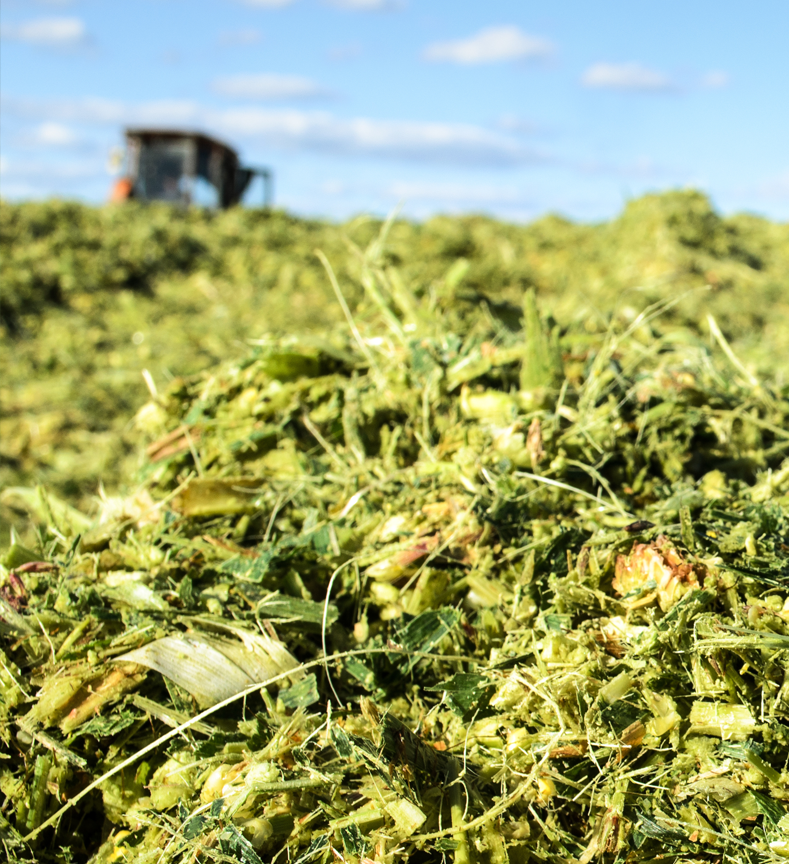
(509,108)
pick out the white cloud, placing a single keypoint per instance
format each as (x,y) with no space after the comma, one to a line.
(316,131)
(94,110)
(268,87)
(626,76)
(247,36)
(50,32)
(52,134)
(398,139)
(22,177)
(715,79)
(491,45)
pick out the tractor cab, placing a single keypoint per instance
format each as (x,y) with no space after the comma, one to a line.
(185,168)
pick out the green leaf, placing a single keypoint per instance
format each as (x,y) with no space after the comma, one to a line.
(424,633)
(353,841)
(235,845)
(772,811)
(282,609)
(301,695)
(466,692)
(194,827)
(316,847)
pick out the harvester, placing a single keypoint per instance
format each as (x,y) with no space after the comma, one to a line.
(185,168)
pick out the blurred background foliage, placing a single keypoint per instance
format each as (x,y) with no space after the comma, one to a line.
(92,296)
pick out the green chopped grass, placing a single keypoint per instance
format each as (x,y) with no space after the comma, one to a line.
(485,567)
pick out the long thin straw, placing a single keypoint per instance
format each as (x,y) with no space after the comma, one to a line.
(346,311)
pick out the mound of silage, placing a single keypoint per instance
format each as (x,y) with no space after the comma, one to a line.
(92,296)
(512,595)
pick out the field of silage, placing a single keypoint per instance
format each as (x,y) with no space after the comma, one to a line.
(498,514)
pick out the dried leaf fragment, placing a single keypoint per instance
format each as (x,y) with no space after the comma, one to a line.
(534,443)
(653,571)
(76,696)
(212,669)
(218,497)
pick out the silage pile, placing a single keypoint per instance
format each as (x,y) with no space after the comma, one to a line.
(93,296)
(514,593)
